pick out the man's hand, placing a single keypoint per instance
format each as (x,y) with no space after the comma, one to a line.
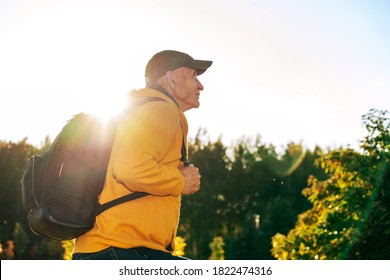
(191,179)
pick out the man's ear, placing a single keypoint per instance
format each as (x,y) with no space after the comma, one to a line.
(170,77)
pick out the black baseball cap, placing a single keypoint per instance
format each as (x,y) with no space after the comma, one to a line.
(169,60)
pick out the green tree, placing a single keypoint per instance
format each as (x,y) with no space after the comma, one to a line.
(216,247)
(266,201)
(374,234)
(21,241)
(14,229)
(346,204)
(13,159)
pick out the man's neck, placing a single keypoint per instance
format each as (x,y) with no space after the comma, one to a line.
(161,89)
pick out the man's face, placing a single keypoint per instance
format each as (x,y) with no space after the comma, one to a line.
(188,88)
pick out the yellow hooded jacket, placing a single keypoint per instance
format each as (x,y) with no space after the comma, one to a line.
(145,158)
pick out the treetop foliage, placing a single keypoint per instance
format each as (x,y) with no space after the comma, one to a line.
(350,214)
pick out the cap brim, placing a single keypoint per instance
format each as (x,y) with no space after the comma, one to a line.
(200,65)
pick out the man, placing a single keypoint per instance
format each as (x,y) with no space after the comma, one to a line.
(147,156)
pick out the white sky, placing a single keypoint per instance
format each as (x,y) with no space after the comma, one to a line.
(301,71)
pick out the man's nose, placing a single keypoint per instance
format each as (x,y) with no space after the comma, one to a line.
(199,84)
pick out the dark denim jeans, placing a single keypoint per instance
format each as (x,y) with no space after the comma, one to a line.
(113,253)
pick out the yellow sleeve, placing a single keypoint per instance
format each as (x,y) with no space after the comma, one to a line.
(147,150)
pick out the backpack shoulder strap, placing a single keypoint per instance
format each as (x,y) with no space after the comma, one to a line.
(131,196)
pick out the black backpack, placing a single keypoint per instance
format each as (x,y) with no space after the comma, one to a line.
(60,188)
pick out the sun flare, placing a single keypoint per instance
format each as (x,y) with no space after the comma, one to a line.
(106,107)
